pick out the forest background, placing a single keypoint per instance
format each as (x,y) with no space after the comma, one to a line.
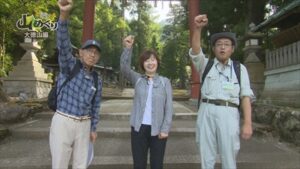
(170,38)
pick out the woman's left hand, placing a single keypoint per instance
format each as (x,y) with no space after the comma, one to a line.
(128,41)
(163,135)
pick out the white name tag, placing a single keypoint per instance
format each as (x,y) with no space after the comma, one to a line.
(228,85)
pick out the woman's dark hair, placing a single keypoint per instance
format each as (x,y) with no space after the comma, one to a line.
(146,55)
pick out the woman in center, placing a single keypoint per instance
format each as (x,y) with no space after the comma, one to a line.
(152,110)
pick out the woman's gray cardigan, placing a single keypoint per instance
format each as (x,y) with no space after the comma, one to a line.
(162,106)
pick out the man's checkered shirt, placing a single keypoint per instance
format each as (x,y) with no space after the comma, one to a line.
(76,96)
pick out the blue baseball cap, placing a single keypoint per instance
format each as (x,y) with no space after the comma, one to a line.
(91,42)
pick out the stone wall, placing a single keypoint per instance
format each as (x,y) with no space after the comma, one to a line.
(283,121)
(30,87)
(282,84)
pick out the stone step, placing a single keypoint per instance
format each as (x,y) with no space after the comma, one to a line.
(121,162)
(122,115)
(28,146)
(114,125)
(39,128)
(120,109)
(115,153)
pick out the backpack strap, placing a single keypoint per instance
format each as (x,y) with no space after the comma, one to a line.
(208,66)
(236,67)
(73,73)
(237,70)
(75,70)
(95,77)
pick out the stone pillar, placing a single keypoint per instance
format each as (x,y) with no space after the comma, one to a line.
(28,77)
(194,10)
(88,20)
(254,65)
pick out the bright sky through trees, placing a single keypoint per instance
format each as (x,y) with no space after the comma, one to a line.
(160,11)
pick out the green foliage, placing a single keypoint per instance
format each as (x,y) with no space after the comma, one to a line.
(172,42)
(76,23)
(10,36)
(174,57)
(147,33)
(223,16)
(6,65)
(235,16)
(109,30)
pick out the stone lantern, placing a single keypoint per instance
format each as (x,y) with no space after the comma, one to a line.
(255,67)
(28,79)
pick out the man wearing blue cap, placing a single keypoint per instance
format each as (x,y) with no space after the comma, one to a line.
(74,123)
(222,93)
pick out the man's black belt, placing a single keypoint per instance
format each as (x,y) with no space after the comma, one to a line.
(220,103)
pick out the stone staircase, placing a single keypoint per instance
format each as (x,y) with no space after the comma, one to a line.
(28,146)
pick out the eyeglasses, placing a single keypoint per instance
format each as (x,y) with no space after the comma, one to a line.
(220,45)
(92,52)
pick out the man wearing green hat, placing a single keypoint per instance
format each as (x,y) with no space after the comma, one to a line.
(223,91)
